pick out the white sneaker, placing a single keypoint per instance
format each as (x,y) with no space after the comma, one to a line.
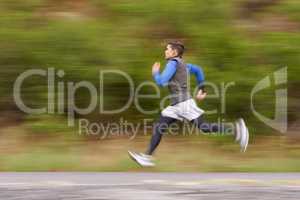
(151,158)
(244,135)
(142,159)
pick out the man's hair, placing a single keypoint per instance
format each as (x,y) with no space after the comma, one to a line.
(178,46)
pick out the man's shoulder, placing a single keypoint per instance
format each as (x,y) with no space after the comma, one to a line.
(177,61)
(172,62)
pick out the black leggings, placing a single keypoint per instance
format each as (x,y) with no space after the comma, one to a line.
(164,122)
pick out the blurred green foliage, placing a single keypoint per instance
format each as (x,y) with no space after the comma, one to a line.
(233,41)
(83,37)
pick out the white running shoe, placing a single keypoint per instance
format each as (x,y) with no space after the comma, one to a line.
(151,158)
(244,135)
(142,159)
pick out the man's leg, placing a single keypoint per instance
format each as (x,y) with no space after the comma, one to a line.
(159,128)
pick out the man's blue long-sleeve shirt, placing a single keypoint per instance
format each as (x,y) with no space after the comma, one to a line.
(170,69)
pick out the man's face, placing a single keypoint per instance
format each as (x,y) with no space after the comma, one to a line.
(169,52)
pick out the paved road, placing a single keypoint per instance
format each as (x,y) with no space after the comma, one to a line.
(152,186)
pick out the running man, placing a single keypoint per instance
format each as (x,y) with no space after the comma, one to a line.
(175,76)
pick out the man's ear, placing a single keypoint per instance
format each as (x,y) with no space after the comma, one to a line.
(176,53)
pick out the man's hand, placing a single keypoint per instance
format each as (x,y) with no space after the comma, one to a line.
(201,95)
(155,67)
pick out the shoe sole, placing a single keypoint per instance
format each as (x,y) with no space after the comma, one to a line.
(132,155)
(244,136)
(238,132)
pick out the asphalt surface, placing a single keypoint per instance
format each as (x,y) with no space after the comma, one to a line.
(152,186)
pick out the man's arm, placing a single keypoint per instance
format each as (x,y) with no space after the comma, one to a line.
(163,78)
(197,71)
